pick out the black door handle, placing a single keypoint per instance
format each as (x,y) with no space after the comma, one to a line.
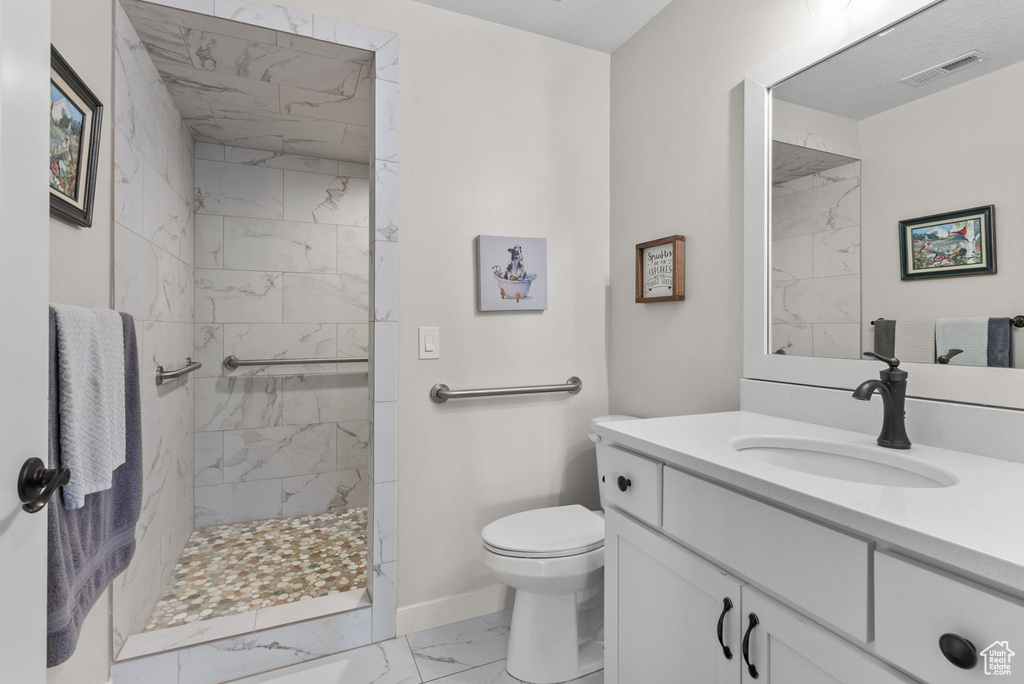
(754,622)
(958,651)
(37,483)
(726,607)
(623,483)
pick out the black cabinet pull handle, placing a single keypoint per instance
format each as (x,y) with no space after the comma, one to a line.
(623,483)
(726,607)
(37,483)
(959,651)
(754,622)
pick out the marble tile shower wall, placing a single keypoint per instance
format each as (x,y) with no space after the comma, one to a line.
(153,279)
(816,264)
(282,271)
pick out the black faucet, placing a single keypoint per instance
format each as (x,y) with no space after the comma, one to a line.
(892,385)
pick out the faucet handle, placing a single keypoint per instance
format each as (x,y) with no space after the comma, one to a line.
(893,362)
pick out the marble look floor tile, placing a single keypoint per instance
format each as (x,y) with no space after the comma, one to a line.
(237,502)
(161,668)
(238,296)
(322,199)
(353,250)
(354,445)
(272,648)
(183,634)
(330,398)
(324,48)
(235,403)
(453,648)
(267,453)
(265,245)
(324,492)
(389,662)
(494,673)
(238,190)
(323,298)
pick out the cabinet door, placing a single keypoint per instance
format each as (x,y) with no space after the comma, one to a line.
(786,648)
(662,609)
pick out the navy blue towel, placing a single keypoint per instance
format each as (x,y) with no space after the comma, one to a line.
(88,547)
(1000,343)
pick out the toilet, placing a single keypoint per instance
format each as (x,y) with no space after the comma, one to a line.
(554,558)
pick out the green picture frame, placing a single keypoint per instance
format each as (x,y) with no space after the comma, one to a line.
(953,244)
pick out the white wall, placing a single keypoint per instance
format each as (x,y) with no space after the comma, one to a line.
(80,261)
(956,149)
(677,167)
(503,132)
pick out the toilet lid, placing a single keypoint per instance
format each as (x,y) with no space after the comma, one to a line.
(546,532)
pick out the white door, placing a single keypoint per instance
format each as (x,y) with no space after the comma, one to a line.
(663,606)
(786,648)
(24,284)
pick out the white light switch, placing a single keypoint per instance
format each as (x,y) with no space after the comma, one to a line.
(430,343)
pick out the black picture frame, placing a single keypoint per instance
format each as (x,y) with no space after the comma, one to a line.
(949,245)
(72,201)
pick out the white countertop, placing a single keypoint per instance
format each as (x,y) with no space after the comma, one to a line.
(976,525)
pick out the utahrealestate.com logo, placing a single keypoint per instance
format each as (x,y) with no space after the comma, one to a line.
(997,658)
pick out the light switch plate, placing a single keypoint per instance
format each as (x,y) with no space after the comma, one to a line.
(430,343)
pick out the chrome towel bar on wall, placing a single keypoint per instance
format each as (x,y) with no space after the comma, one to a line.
(441,393)
(233,362)
(189,366)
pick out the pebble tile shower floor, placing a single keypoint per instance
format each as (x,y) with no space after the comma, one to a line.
(235,568)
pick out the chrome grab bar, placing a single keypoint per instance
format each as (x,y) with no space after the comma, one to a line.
(189,366)
(233,362)
(441,393)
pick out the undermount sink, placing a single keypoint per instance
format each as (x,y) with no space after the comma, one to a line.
(843,461)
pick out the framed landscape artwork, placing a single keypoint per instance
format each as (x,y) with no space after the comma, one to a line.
(958,243)
(75,116)
(513,273)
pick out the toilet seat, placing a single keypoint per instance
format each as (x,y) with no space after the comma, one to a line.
(553,532)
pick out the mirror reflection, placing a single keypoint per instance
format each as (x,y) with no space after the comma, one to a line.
(898,193)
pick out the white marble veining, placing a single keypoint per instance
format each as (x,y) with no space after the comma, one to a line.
(238,296)
(836,252)
(233,403)
(200,18)
(288,613)
(385,201)
(385,281)
(837,340)
(353,340)
(209,241)
(384,522)
(385,447)
(324,48)
(449,649)
(817,300)
(264,245)
(385,376)
(353,250)
(276,452)
(209,349)
(278,160)
(328,398)
(382,582)
(354,445)
(828,207)
(389,662)
(386,62)
(494,673)
(209,458)
(187,635)
(324,491)
(238,190)
(237,501)
(324,199)
(280,341)
(267,15)
(324,106)
(792,258)
(325,298)
(794,340)
(386,121)
(362,37)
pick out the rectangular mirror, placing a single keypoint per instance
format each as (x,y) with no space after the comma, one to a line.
(889,211)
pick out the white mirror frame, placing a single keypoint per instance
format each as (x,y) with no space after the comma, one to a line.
(989,386)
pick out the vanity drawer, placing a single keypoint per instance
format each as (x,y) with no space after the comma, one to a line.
(639,491)
(915,605)
(822,571)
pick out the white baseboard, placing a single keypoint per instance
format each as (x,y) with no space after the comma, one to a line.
(443,611)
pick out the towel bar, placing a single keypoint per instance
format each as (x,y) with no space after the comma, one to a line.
(441,393)
(233,362)
(1016,321)
(189,366)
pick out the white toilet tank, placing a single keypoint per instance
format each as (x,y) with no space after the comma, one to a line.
(596,440)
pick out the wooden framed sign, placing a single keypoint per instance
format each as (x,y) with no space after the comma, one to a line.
(659,270)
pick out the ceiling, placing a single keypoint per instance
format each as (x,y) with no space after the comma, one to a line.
(865,79)
(598,24)
(248,86)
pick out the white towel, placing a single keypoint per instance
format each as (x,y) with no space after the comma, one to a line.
(969,334)
(90,370)
(915,340)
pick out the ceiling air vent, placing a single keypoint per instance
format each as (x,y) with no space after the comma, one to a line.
(929,75)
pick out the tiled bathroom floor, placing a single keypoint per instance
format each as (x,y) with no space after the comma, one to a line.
(468,652)
(240,567)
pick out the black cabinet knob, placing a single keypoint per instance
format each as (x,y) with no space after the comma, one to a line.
(958,651)
(623,483)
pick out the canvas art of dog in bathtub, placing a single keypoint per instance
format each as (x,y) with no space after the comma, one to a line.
(512,273)
(513,281)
